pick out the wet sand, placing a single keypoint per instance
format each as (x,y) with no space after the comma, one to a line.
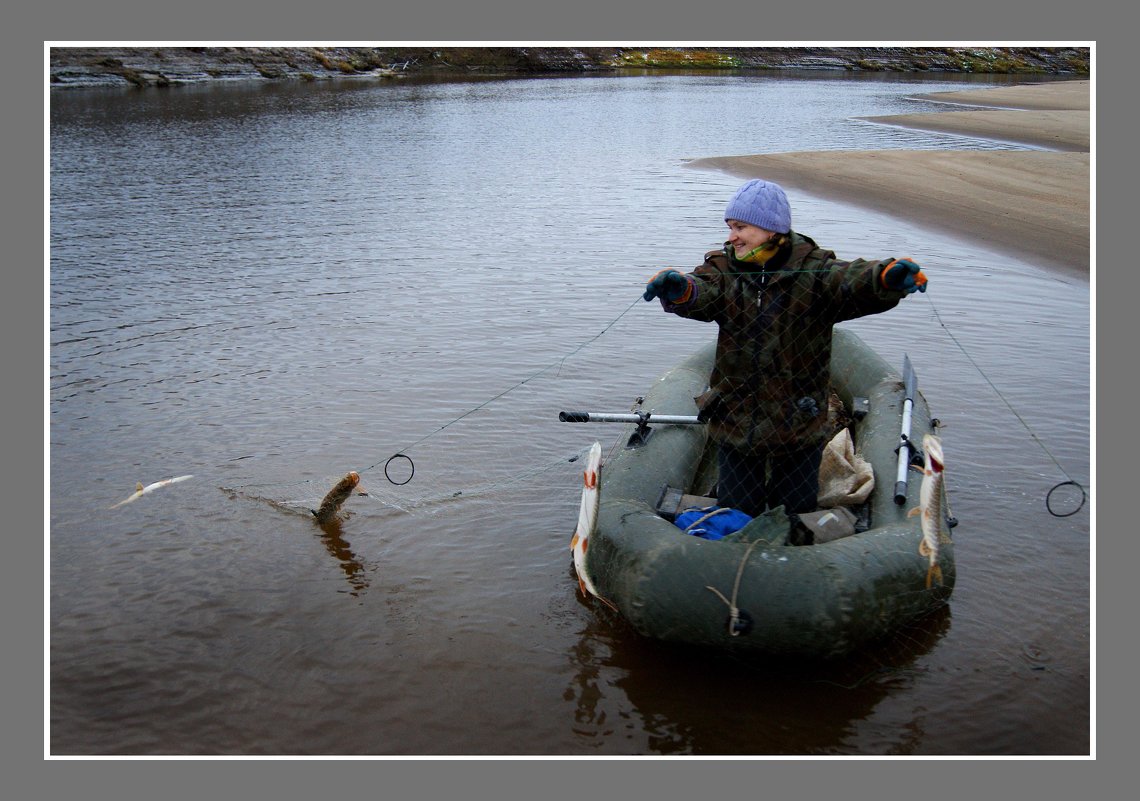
(1031,204)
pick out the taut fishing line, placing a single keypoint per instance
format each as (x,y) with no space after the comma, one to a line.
(399,468)
(1069,482)
(402,453)
(395,465)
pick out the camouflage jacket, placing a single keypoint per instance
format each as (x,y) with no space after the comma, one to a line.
(769,384)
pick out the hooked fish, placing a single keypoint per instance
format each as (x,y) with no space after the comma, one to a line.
(930,506)
(587,518)
(337,496)
(141,490)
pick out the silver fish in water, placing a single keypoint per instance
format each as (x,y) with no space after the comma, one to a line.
(141,490)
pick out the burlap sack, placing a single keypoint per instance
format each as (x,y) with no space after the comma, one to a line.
(845,478)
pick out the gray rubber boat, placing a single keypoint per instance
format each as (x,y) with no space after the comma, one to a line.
(821,600)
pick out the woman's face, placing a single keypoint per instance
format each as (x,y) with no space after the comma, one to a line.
(745,237)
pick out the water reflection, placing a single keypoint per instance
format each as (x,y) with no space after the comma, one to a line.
(748,705)
(354,569)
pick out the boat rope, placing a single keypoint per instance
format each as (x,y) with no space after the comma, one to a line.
(1069,482)
(716,511)
(738,622)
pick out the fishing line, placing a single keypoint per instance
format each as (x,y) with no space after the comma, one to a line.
(410,505)
(1069,479)
(402,453)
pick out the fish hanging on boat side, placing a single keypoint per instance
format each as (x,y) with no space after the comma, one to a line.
(930,506)
(141,490)
(587,520)
(337,496)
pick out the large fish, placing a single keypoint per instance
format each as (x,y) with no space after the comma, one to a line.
(141,490)
(337,496)
(930,506)
(587,518)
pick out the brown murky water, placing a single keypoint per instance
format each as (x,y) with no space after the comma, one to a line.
(266,288)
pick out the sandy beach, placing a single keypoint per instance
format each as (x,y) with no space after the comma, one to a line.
(1034,204)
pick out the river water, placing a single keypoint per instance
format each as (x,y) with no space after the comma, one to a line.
(266,287)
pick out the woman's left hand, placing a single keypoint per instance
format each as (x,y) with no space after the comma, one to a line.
(903,275)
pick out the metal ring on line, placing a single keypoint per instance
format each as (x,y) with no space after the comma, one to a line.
(399,456)
(1049,496)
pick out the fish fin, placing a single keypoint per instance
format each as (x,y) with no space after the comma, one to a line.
(574,540)
(935,572)
(139,487)
(923,548)
(915,511)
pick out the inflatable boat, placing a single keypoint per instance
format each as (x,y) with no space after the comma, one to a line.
(764,594)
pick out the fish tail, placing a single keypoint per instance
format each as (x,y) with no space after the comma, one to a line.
(934,574)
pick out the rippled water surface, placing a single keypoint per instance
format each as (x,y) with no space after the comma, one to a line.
(266,287)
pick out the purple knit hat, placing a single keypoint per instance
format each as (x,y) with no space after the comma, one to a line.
(763,204)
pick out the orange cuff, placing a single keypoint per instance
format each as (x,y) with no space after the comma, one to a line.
(685,298)
(919,278)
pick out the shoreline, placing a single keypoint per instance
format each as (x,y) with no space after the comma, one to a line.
(1033,204)
(73,67)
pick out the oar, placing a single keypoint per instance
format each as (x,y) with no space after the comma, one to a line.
(630,417)
(640,419)
(910,381)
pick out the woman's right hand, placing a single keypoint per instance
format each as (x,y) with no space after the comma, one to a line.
(668,285)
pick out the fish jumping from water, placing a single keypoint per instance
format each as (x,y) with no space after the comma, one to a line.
(337,496)
(930,506)
(587,518)
(141,490)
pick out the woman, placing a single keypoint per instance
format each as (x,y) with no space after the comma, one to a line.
(775,295)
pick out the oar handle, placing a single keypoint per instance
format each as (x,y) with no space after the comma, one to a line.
(625,417)
(574,417)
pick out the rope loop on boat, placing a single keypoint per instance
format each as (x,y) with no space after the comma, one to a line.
(739,621)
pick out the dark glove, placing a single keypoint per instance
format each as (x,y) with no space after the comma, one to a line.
(667,284)
(903,275)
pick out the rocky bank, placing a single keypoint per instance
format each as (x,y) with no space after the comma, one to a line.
(168,66)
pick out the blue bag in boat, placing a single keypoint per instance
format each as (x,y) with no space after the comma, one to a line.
(711,522)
